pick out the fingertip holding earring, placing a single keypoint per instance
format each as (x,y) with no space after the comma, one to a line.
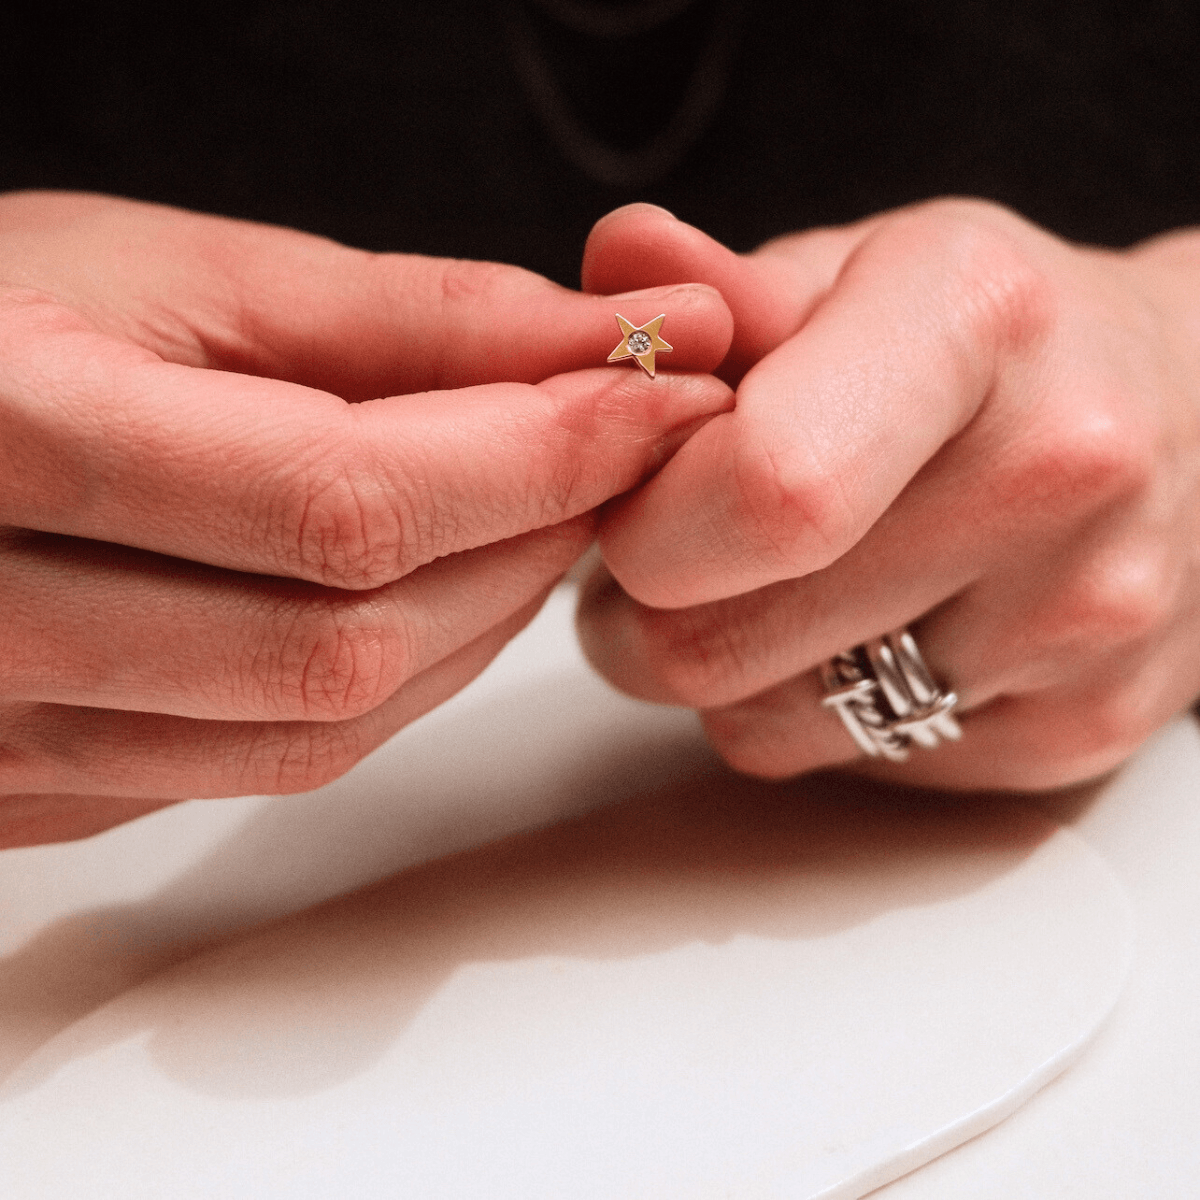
(640,342)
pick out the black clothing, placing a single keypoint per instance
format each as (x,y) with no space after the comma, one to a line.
(466,128)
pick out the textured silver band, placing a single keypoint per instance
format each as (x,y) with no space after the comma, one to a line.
(887,699)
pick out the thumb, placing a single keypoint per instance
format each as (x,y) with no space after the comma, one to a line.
(205,291)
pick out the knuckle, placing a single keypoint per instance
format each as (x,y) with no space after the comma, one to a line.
(617,409)
(695,655)
(750,745)
(1075,748)
(1116,602)
(1115,727)
(602,436)
(23,757)
(457,290)
(1080,463)
(562,493)
(1104,460)
(348,532)
(796,515)
(291,758)
(1044,772)
(28,311)
(690,655)
(1006,298)
(465,281)
(336,661)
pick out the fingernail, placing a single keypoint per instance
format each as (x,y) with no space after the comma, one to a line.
(664,291)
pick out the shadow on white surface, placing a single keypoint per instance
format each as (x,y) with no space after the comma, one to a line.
(694,985)
(312,1001)
(719,988)
(471,772)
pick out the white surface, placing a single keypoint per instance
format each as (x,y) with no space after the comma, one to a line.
(714,988)
(1124,1123)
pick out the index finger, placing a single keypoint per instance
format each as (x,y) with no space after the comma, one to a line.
(106,441)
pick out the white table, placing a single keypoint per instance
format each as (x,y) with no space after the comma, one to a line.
(678,983)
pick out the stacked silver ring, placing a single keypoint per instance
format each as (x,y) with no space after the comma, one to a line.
(887,699)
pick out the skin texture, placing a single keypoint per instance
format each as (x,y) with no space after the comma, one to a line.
(265,499)
(945,418)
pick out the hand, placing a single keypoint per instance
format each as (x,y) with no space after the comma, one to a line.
(217,575)
(945,418)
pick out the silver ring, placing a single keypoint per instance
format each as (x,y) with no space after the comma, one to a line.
(887,699)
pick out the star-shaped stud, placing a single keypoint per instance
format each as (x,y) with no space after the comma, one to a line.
(640,342)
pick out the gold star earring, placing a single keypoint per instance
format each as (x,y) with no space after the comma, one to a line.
(640,342)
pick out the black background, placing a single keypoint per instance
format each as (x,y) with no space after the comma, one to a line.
(408,126)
